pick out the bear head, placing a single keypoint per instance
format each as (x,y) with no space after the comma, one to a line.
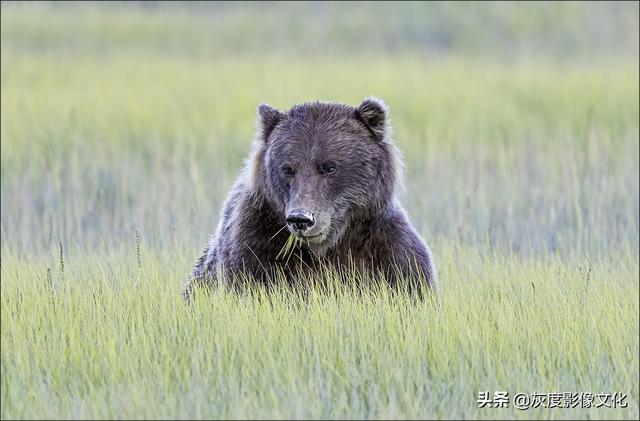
(325,166)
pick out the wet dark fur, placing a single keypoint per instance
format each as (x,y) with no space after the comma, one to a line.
(363,224)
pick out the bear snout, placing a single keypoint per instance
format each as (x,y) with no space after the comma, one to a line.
(300,220)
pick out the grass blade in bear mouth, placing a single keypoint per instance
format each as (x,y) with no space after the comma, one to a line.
(288,247)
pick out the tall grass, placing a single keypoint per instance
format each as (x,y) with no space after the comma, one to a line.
(100,345)
(123,127)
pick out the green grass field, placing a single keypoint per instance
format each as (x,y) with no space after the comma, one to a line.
(123,128)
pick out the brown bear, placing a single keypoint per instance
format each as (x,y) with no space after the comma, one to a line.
(326,173)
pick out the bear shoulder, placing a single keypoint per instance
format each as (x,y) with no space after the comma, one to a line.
(400,249)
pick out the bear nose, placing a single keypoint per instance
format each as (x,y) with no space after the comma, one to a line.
(300,220)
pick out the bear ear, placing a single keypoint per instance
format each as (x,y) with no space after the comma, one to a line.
(373,113)
(268,118)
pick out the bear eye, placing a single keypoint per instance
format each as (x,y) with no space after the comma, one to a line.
(327,168)
(288,171)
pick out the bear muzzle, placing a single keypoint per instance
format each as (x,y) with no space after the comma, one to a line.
(300,221)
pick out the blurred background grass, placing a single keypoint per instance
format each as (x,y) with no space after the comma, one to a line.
(220,29)
(519,122)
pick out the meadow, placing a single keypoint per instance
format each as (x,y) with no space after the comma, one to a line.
(123,127)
